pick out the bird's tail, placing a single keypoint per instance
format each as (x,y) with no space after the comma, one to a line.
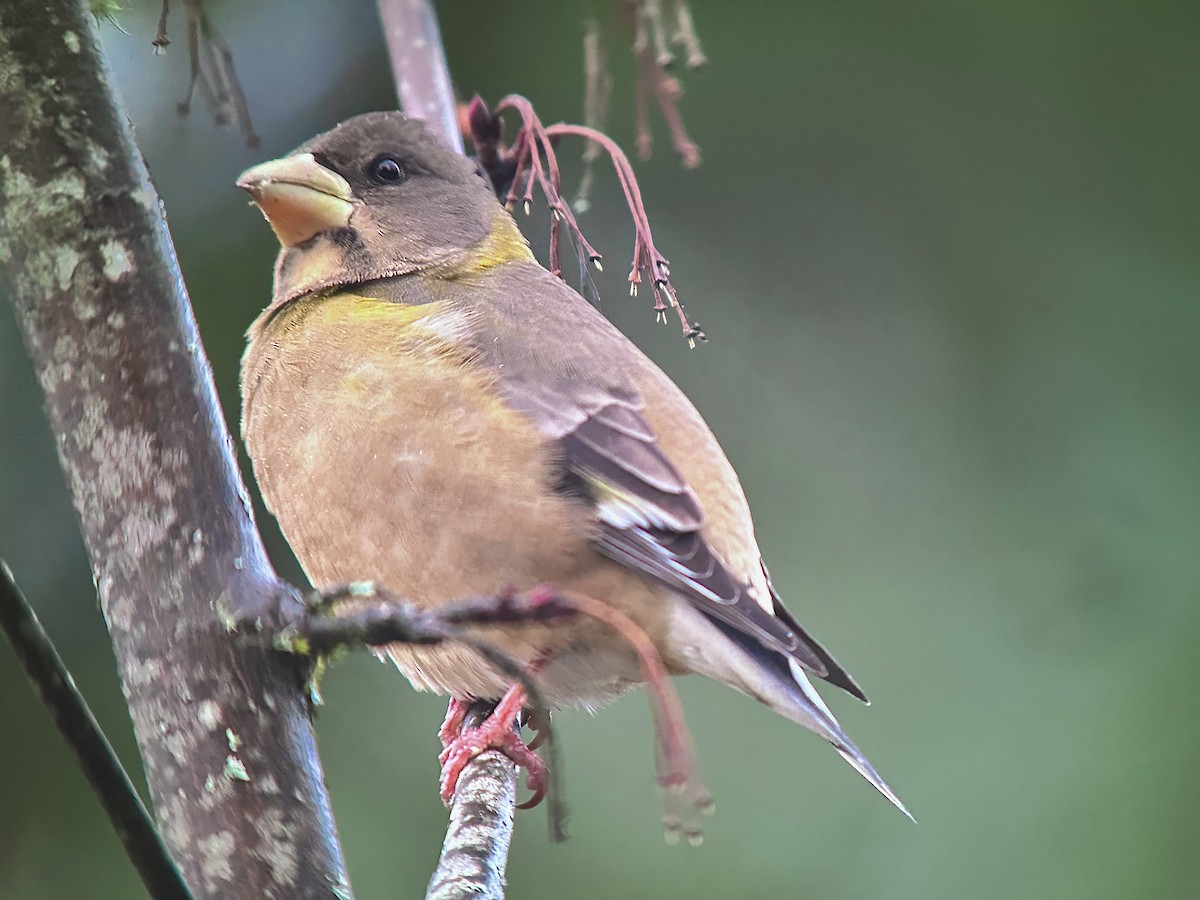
(799,701)
(778,682)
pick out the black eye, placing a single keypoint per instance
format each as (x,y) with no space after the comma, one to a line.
(386,170)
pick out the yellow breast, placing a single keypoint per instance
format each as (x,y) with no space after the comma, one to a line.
(386,454)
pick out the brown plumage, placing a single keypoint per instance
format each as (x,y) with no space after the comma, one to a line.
(427,407)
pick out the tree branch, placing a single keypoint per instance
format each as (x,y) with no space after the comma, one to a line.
(423,84)
(222,727)
(475,852)
(83,735)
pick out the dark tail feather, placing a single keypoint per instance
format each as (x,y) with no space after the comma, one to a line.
(834,674)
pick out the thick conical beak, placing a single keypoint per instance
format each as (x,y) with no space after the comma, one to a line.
(299,197)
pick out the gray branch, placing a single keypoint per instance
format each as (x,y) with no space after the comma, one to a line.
(414,44)
(79,728)
(223,727)
(475,851)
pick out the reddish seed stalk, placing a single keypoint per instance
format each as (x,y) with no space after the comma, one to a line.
(534,161)
(686,796)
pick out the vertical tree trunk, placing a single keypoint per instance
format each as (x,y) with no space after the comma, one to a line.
(223,728)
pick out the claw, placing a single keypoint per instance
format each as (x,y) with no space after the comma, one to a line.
(460,745)
(539,721)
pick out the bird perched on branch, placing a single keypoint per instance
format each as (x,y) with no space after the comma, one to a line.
(429,408)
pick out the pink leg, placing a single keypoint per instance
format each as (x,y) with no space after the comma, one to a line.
(495,733)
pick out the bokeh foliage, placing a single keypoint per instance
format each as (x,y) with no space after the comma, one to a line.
(947,256)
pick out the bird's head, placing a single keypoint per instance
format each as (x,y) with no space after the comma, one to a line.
(376,197)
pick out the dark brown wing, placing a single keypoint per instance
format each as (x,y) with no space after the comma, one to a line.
(650,520)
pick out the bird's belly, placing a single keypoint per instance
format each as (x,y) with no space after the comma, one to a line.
(418,477)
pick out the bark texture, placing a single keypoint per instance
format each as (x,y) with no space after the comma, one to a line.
(475,852)
(223,727)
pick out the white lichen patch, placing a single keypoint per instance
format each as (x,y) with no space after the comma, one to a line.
(215,853)
(99,156)
(233,740)
(66,261)
(146,527)
(117,261)
(196,547)
(209,714)
(71,39)
(177,745)
(42,216)
(65,355)
(146,196)
(129,465)
(125,460)
(278,847)
(17,185)
(143,672)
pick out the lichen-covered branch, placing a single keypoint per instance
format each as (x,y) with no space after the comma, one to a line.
(474,854)
(222,726)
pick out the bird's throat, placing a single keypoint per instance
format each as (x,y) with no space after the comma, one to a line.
(504,244)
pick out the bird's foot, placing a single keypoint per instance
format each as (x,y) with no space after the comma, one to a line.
(539,721)
(452,725)
(497,732)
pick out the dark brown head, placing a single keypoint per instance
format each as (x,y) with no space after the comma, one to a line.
(377,196)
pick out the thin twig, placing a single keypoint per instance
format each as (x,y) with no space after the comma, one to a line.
(81,731)
(364,614)
(161,41)
(597,91)
(656,81)
(653,60)
(685,796)
(211,70)
(474,854)
(685,35)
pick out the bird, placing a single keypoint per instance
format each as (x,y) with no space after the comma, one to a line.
(428,408)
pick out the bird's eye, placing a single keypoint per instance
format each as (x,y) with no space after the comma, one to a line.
(386,170)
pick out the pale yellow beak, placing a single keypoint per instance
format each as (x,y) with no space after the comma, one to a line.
(299,197)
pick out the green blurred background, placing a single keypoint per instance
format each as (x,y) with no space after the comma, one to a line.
(947,257)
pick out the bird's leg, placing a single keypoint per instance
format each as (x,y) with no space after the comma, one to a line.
(495,733)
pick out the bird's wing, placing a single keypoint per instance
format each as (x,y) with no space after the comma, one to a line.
(650,519)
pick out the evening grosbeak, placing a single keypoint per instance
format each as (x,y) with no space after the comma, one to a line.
(428,408)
